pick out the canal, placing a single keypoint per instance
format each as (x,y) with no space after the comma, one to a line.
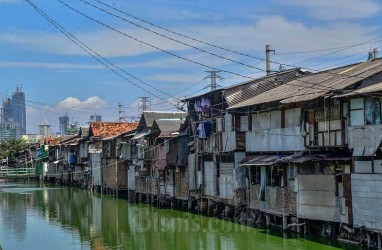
(42,216)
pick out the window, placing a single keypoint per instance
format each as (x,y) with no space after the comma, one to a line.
(243,123)
(372,108)
(356,112)
(255,175)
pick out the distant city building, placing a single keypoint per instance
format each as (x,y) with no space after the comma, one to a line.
(64,124)
(7,131)
(95,118)
(19,111)
(13,116)
(44,128)
(31,138)
(7,111)
(74,129)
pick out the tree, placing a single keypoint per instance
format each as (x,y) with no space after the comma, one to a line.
(11,148)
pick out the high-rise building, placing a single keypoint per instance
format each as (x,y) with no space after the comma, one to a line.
(7,114)
(19,111)
(44,128)
(7,131)
(95,118)
(64,124)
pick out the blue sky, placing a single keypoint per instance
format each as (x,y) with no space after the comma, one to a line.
(58,77)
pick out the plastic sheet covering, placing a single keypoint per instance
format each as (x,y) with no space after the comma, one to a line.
(182,150)
(263,183)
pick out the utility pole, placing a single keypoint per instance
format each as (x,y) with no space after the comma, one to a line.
(120,112)
(268,51)
(143,104)
(213,75)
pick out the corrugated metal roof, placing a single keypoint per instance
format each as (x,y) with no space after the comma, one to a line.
(261,160)
(166,127)
(148,117)
(268,160)
(369,89)
(315,85)
(220,89)
(241,92)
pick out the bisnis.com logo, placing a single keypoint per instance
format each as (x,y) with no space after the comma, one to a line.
(145,220)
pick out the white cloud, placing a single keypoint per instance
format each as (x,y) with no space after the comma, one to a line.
(77,110)
(74,103)
(338,9)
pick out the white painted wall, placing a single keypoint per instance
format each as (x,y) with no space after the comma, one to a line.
(281,139)
(96,169)
(267,134)
(365,137)
(367,200)
(316,199)
(226,180)
(209,181)
(229,141)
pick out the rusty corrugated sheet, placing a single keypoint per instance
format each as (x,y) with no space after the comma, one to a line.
(316,85)
(108,129)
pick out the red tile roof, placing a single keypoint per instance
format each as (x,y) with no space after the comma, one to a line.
(52,141)
(106,129)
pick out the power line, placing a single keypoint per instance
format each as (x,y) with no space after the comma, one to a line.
(71,37)
(150,45)
(328,49)
(168,52)
(85,48)
(188,37)
(169,38)
(177,33)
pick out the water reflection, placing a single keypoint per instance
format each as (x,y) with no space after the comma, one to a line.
(47,217)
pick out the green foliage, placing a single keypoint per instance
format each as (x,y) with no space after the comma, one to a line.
(11,147)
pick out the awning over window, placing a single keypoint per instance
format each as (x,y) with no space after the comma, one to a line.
(139,135)
(297,158)
(261,160)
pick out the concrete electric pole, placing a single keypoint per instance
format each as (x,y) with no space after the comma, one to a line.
(268,51)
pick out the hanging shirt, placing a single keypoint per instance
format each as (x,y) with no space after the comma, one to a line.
(201,131)
(202,105)
(197,107)
(207,128)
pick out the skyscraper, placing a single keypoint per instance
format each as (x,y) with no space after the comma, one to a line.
(19,111)
(7,115)
(64,124)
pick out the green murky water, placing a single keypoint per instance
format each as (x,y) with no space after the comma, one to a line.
(38,216)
